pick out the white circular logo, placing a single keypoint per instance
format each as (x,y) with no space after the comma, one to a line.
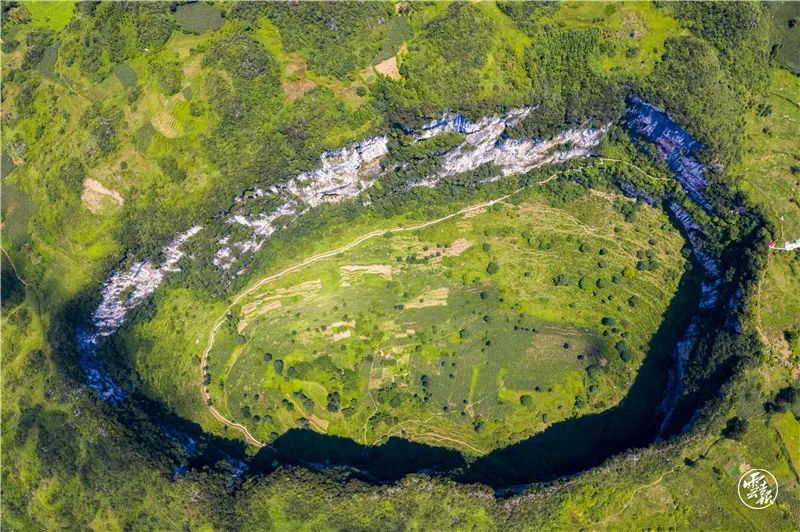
(758,489)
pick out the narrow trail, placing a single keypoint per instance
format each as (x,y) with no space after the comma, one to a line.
(310,260)
(325,255)
(609,160)
(14,268)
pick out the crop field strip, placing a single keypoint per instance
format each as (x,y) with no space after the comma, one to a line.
(259,304)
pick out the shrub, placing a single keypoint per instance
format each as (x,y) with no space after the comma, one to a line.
(735,428)
(492,268)
(563,279)
(169,166)
(334,401)
(525,400)
(787,395)
(624,351)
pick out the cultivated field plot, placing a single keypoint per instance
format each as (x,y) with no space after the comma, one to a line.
(471,333)
(771,168)
(771,178)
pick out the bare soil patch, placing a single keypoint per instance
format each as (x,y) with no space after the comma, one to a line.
(166,124)
(296,82)
(384,270)
(389,68)
(95,196)
(432,298)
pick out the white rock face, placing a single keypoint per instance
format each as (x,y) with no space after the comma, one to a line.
(516,156)
(339,174)
(343,174)
(141,279)
(457,123)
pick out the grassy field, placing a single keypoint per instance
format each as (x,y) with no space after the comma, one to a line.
(779,306)
(786,34)
(771,165)
(51,15)
(411,334)
(636,32)
(768,178)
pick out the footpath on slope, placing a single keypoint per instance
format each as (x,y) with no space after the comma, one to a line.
(310,260)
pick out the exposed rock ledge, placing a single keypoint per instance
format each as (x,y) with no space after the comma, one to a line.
(343,174)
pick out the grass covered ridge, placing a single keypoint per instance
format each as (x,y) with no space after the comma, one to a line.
(413,326)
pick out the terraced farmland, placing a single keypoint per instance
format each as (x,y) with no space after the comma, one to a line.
(471,333)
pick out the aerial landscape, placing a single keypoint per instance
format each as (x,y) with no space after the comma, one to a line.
(400,265)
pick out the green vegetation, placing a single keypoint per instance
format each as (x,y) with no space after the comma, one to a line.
(770,176)
(198,17)
(380,334)
(770,169)
(179,108)
(51,15)
(785,34)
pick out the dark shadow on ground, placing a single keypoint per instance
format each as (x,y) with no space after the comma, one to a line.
(389,461)
(577,444)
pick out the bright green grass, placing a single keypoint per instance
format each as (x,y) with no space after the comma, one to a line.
(50,15)
(268,35)
(508,49)
(638,27)
(772,148)
(371,335)
(779,301)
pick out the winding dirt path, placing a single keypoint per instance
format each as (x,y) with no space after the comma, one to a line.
(610,160)
(310,260)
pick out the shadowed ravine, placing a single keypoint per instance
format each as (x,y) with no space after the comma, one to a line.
(565,448)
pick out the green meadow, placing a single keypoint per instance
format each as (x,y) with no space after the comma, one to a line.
(472,333)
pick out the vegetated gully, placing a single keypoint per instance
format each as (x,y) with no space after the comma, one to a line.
(563,449)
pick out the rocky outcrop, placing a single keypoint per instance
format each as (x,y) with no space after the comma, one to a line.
(341,174)
(678,148)
(346,173)
(673,143)
(126,289)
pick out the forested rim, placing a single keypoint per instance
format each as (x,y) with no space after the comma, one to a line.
(89,461)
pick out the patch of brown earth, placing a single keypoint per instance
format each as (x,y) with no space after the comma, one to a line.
(384,270)
(432,298)
(95,196)
(388,68)
(296,82)
(453,250)
(166,124)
